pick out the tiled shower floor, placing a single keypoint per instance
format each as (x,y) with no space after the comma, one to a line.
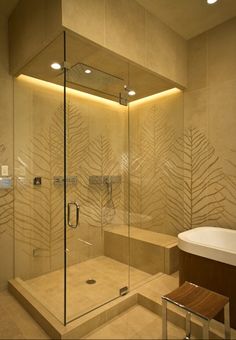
(110,276)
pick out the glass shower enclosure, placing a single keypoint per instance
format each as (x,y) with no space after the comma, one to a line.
(83,175)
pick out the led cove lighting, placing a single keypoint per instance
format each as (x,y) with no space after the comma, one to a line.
(131,93)
(55,66)
(88,71)
(210,2)
(58,88)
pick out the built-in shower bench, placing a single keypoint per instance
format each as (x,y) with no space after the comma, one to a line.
(149,251)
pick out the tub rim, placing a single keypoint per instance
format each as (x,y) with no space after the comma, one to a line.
(212,252)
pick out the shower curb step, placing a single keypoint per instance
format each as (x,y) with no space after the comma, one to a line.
(50,324)
(77,328)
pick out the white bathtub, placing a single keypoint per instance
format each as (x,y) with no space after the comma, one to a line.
(217,244)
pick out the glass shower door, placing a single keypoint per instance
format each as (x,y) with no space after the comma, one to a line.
(97,266)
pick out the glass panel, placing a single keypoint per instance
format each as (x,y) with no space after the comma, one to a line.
(97,178)
(38,208)
(88,79)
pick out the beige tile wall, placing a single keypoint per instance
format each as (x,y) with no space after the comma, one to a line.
(183,146)
(6,157)
(210,107)
(156,169)
(32,26)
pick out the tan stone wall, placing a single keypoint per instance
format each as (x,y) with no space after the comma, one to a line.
(32,26)
(157,182)
(188,153)
(6,157)
(210,117)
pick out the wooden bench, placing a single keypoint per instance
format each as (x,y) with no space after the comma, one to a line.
(198,301)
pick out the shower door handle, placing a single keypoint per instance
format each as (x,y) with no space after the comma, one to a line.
(77,208)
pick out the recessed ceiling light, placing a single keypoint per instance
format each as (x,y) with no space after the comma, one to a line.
(55,66)
(131,93)
(88,71)
(210,2)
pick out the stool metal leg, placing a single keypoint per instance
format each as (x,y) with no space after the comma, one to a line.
(206,329)
(227,321)
(164,319)
(188,325)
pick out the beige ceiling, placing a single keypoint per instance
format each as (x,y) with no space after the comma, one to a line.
(191,17)
(7,6)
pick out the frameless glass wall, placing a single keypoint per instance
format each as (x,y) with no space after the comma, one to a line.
(38,161)
(96,172)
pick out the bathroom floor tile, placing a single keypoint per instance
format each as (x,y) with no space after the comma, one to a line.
(136,323)
(15,322)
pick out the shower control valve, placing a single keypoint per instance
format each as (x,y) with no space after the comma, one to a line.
(37,180)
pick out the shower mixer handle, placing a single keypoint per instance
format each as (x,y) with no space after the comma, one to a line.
(77,209)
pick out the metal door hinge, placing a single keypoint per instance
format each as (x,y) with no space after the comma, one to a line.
(124,291)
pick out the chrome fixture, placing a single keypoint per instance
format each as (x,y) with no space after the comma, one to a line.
(131,92)
(69,180)
(77,209)
(104,179)
(91,281)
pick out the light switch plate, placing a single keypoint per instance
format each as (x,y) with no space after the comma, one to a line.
(4,169)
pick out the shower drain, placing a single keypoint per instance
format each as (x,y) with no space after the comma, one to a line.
(91,281)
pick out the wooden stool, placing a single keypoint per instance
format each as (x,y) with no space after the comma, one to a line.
(199,301)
